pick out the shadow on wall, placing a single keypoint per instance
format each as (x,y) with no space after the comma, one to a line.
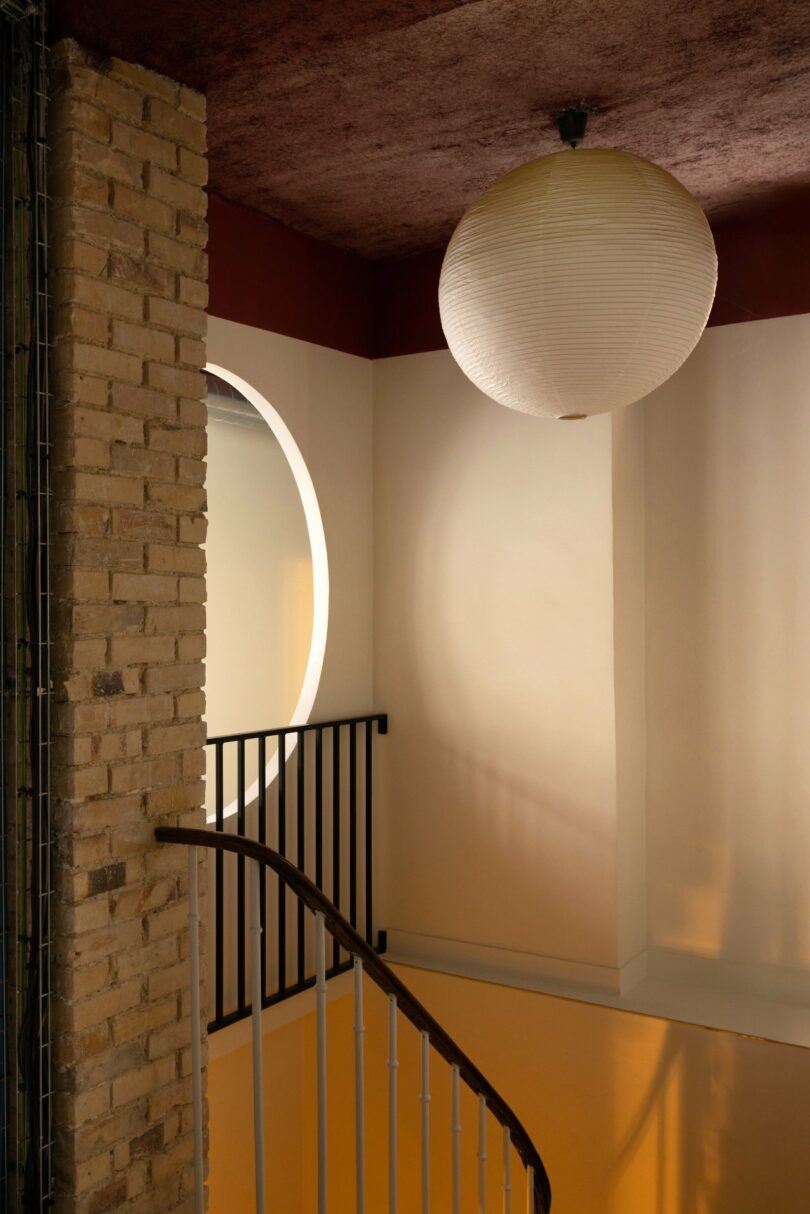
(728,659)
(501,833)
(494,647)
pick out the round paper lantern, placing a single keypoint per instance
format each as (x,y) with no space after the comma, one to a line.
(577,283)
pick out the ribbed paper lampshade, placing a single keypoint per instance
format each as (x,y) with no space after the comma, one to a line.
(577,283)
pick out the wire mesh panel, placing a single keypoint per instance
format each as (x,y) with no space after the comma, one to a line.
(25,830)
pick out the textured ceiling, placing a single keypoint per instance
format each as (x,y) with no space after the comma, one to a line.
(373,125)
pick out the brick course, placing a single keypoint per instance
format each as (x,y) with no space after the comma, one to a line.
(129,292)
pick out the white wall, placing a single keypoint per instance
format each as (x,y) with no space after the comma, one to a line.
(591,641)
(324,397)
(494,656)
(728,660)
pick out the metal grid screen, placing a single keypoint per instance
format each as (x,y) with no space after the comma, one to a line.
(25,829)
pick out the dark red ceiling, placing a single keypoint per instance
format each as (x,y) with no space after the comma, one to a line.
(373,125)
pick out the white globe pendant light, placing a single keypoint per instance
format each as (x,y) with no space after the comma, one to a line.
(577,283)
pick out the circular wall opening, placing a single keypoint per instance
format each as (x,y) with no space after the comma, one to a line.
(268,582)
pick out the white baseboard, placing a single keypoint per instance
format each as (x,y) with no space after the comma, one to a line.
(509,967)
(782,983)
(772,1002)
(763,1001)
(633,972)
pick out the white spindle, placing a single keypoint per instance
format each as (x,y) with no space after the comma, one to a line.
(359,1087)
(196,1041)
(530,1191)
(425,1099)
(256,1019)
(393,1064)
(456,1131)
(320,996)
(507,1170)
(482,1155)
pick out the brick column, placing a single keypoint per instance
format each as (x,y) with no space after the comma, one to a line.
(129,291)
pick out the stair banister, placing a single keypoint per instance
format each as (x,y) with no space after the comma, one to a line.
(346,937)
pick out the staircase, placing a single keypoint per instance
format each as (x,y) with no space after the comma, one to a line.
(516,1150)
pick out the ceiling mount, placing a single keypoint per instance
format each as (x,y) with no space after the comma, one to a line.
(571,123)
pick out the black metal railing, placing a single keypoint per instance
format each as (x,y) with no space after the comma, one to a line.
(307,791)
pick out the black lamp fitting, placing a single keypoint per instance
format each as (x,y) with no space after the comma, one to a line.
(571,124)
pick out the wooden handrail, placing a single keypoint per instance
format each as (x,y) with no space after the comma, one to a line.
(384,977)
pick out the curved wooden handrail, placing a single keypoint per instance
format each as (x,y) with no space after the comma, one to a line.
(385,978)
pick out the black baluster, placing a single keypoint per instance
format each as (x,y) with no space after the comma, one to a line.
(240,875)
(219,907)
(301,853)
(335,830)
(282,848)
(261,809)
(319,808)
(369,837)
(353,824)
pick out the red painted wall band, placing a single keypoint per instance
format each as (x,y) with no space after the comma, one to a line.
(265,275)
(763,255)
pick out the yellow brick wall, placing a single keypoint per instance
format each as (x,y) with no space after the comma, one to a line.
(128,282)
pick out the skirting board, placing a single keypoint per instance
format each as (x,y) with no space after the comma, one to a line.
(776,982)
(655,983)
(758,1001)
(511,967)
